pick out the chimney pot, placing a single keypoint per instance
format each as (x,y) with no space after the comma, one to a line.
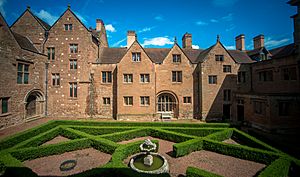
(240,42)
(259,41)
(187,41)
(99,24)
(131,37)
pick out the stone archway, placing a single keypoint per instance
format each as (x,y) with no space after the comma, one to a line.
(167,103)
(34,104)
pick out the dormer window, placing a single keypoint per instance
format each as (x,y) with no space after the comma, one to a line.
(73,48)
(68,27)
(176,58)
(136,56)
(219,57)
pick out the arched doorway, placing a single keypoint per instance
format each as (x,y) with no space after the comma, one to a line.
(34,104)
(167,103)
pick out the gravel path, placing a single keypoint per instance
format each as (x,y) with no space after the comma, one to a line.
(56,140)
(226,166)
(230,141)
(86,159)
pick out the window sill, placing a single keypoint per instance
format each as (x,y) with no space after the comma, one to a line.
(128,105)
(5,114)
(176,82)
(73,98)
(106,83)
(127,82)
(144,82)
(144,105)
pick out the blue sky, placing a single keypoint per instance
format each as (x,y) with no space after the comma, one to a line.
(157,22)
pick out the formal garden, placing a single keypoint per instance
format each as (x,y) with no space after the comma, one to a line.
(90,148)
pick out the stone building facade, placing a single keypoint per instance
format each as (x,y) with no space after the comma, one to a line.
(80,76)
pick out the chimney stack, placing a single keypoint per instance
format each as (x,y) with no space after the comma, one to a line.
(99,25)
(187,41)
(259,41)
(240,42)
(131,37)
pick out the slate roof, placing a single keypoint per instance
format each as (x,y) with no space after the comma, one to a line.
(283,51)
(240,56)
(192,54)
(157,55)
(111,55)
(45,25)
(25,43)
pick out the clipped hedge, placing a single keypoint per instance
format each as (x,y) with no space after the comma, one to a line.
(200,132)
(104,145)
(11,141)
(184,148)
(196,172)
(127,135)
(240,151)
(220,136)
(100,130)
(52,149)
(278,168)
(169,135)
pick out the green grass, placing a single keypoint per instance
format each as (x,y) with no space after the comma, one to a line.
(104,136)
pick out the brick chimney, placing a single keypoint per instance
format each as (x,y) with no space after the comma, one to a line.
(131,37)
(187,41)
(99,25)
(240,42)
(259,41)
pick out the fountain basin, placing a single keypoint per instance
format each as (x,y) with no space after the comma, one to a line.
(159,166)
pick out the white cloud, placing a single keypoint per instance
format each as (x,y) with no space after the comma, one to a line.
(159,18)
(195,47)
(230,28)
(230,47)
(145,29)
(270,42)
(214,21)
(224,3)
(2,2)
(157,41)
(228,17)
(81,18)
(201,23)
(110,28)
(116,44)
(46,16)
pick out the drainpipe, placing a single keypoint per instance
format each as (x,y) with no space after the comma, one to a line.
(46,88)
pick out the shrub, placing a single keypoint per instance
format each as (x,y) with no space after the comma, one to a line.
(104,145)
(184,148)
(127,135)
(170,136)
(100,131)
(200,132)
(221,135)
(196,172)
(278,168)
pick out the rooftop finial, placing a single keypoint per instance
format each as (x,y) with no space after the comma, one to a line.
(69,6)
(28,7)
(218,38)
(175,40)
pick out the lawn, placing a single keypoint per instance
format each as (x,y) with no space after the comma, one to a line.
(104,149)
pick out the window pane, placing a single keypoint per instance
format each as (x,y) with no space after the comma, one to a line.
(173,76)
(179,76)
(48,54)
(19,79)
(75,89)
(103,77)
(109,76)
(53,53)
(26,75)
(71,90)
(57,79)
(26,68)
(4,105)
(70,27)
(20,67)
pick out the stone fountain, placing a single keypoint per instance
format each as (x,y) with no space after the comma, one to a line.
(149,162)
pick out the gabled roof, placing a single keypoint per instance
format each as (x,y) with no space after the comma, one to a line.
(111,55)
(283,51)
(257,51)
(203,54)
(25,43)
(157,55)
(192,54)
(44,25)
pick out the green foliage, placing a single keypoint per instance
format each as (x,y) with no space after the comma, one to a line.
(127,135)
(104,145)
(196,172)
(242,152)
(100,131)
(170,136)
(278,168)
(200,132)
(184,148)
(220,136)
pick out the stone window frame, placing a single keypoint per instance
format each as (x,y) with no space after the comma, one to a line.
(106,101)
(259,107)
(176,58)
(128,100)
(266,75)
(73,64)
(284,108)
(212,79)
(55,79)
(144,79)
(68,27)
(187,99)
(226,68)
(106,77)
(6,100)
(136,57)
(73,48)
(73,89)
(126,78)
(51,53)
(227,95)
(219,57)
(241,77)
(176,77)
(145,100)
(289,73)
(23,73)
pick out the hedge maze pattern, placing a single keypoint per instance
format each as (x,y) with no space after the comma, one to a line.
(104,136)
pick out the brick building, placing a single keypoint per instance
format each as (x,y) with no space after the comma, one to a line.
(86,78)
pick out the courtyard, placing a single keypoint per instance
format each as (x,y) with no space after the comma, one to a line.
(98,148)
